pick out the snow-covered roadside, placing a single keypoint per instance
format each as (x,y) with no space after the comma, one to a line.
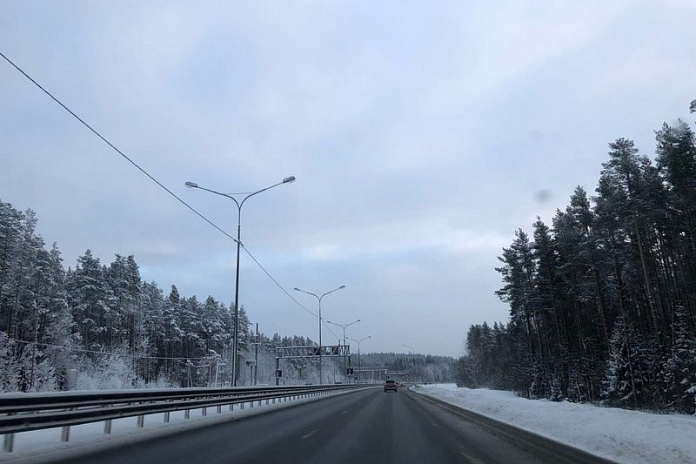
(630,437)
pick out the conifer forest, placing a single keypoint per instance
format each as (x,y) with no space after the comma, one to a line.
(117,331)
(603,300)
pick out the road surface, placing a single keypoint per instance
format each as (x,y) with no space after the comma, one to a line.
(361,427)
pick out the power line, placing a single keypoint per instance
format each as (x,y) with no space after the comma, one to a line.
(332,332)
(151,177)
(276,282)
(112,146)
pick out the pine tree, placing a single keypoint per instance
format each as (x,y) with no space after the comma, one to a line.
(628,377)
(173,334)
(680,379)
(88,296)
(11,235)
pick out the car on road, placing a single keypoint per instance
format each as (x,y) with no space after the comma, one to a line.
(390,384)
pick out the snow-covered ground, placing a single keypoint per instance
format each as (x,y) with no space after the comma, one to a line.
(630,437)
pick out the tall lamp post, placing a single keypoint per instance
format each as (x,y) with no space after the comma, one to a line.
(319,298)
(344,326)
(413,357)
(358,342)
(239,204)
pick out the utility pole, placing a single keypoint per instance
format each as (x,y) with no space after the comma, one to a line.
(239,204)
(346,359)
(257,342)
(319,298)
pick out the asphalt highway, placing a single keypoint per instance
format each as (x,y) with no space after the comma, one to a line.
(362,427)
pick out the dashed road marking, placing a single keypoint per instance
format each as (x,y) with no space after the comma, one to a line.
(310,434)
(471,459)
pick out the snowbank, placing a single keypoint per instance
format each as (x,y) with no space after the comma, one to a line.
(630,437)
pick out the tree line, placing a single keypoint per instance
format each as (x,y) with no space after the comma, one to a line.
(603,300)
(105,322)
(118,331)
(423,368)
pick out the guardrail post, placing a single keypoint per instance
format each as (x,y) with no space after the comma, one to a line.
(8,443)
(211,400)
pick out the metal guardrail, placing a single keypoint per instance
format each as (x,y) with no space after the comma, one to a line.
(34,412)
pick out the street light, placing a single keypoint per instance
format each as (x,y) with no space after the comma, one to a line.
(358,342)
(343,326)
(413,357)
(239,204)
(319,298)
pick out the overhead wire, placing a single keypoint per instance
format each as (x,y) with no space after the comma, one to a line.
(332,332)
(112,146)
(152,178)
(276,282)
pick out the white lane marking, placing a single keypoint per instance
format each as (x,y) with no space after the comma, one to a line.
(344,412)
(472,459)
(310,433)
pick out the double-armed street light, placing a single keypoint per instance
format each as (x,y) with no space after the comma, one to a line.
(239,204)
(319,298)
(358,342)
(344,326)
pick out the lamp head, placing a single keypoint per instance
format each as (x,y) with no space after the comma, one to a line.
(342,286)
(191,184)
(287,180)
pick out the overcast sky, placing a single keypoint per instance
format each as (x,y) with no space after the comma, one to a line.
(422,135)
